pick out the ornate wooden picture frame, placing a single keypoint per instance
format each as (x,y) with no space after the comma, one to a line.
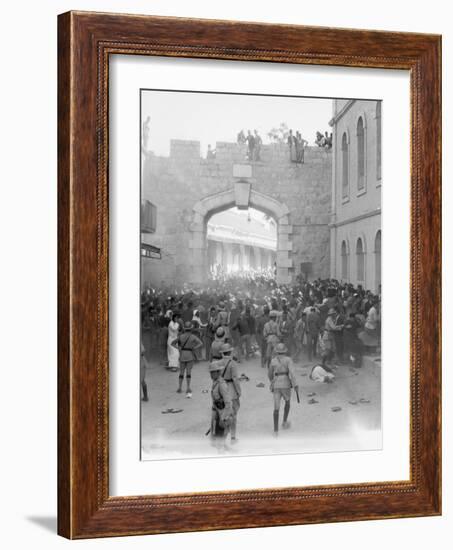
(85,41)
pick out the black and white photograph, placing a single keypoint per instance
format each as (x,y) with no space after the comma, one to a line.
(260,270)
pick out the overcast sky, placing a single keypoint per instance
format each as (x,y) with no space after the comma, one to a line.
(210,117)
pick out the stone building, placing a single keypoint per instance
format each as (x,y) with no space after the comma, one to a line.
(188,190)
(355,227)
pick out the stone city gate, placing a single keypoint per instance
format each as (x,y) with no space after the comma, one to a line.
(188,189)
(243,196)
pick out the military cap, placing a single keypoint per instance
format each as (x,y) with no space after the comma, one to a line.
(281,348)
(216,366)
(226,348)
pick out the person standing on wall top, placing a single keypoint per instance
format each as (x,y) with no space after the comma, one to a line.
(251,145)
(258,143)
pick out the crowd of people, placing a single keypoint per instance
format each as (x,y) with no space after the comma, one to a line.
(310,315)
(236,317)
(296,144)
(324,140)
(219,273)
(295,141)
(254,143)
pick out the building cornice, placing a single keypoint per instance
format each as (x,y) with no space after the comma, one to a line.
(341,113)
(376,212)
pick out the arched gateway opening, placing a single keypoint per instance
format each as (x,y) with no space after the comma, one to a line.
(241,242)
(242,197)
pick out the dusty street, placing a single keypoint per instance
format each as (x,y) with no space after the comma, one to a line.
(315,427)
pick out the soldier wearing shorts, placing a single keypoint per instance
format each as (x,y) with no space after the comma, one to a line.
(216,346)
(230,375)
(282,378)
(187,343)
(223,320)
(222,408)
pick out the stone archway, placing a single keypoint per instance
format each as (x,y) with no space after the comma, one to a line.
(242,196)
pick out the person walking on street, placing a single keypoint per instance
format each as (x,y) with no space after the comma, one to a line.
(143,366)
(210,331)
(271,335)
(187,343)
(223,319)
(335,331)
(222,407)
(230,375)
(172,352)
(261,340)
(299,336)
(216,347)
(242,325)
(282,379)
(313,328)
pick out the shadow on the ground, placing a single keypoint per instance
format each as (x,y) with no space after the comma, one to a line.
(49,523)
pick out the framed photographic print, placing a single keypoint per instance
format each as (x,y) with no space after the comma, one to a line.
(249,275)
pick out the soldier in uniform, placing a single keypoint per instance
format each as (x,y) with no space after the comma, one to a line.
(230,375)
(222,408)
(187,343)
(223,319)
(271,334)
(216,346)
(143,365)
(282,378)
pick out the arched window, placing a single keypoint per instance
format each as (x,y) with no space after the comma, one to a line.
(377,259)
(344,261)
(345,166)
(360,154)
(360,254)
(378,140)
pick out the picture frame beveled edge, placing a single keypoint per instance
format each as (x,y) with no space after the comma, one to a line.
(85,508)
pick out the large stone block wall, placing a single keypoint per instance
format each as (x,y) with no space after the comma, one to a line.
(175,184)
